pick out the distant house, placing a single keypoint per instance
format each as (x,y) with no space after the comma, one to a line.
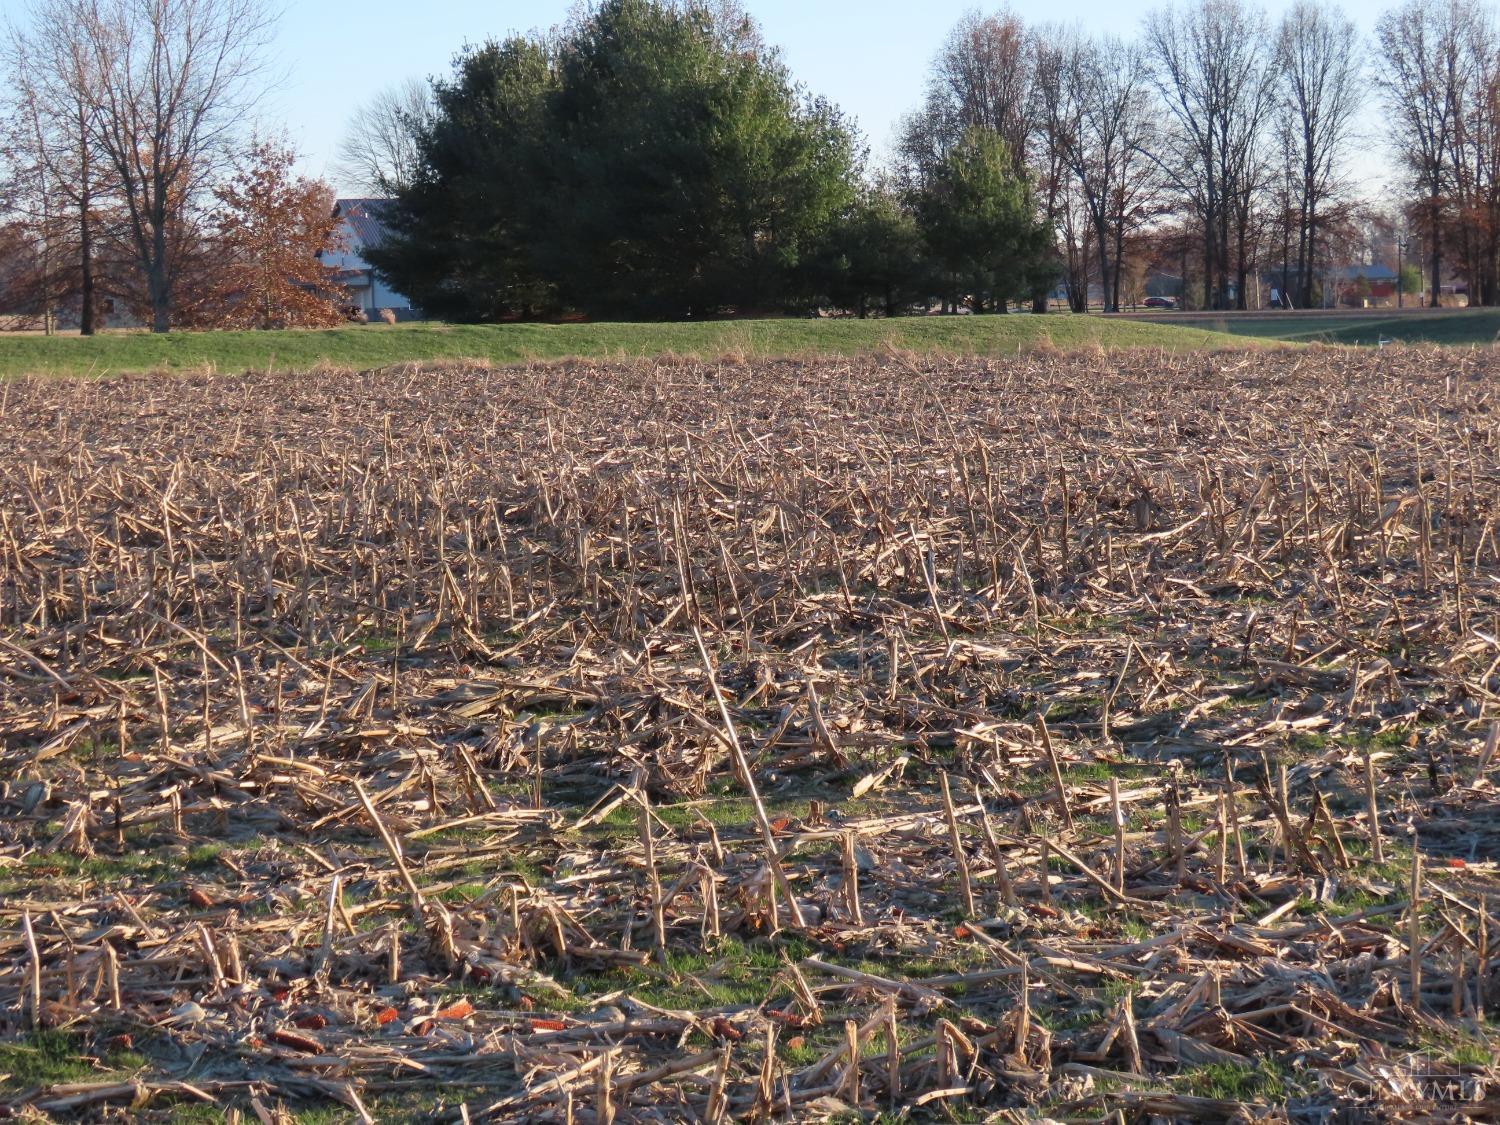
(1369,285)
(1372,286)
(361,227)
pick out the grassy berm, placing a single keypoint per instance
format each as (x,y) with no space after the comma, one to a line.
(984,739)
(736,340)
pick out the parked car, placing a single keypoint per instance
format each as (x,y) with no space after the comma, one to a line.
(1160,303)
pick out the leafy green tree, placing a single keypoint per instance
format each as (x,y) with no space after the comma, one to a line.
(1411,282)
(979,220)
(463,231)
(656,161)
(874,259)
(693,175)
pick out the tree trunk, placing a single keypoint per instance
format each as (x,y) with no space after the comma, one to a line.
(1466,257)
(1182,287)
(86,270)
(1223,257)
(1119,259)
(1107,271)
(161,298)
(85,230)
(1311,262)
(1491,289)
(1210,236)
(1437,255)
(1286,253)
(1241,259)
(157,285)
(1306,220)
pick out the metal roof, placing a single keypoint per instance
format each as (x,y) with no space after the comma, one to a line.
(363,219)
(1375,272)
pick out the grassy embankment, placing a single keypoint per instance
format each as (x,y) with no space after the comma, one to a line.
(379,346)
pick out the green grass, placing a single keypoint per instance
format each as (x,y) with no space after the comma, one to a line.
(367,346)
(46,1058)
(1473,1054)
(1263,1082)
(1456,327)
(734,974)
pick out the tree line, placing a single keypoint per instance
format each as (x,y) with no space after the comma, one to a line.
(656,159)
(126,176)
(1216,146)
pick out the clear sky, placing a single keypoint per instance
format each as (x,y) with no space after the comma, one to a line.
(868,56)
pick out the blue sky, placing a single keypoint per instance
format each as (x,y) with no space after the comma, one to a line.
(869,56)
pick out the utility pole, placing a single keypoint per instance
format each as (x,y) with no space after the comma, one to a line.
(1400,250)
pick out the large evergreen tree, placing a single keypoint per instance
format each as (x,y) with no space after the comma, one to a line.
(463,231)
(655,161)
(874,259)
(977,214)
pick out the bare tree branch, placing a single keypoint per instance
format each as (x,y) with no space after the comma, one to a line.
(379,153)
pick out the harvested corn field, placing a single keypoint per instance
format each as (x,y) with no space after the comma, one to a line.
(1067,736)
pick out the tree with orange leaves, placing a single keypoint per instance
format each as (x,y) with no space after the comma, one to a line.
(270,226)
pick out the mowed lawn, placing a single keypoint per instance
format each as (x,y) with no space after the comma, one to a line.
(1452,327)
(368,346)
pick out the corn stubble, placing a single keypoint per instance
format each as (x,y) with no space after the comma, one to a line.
(674,740)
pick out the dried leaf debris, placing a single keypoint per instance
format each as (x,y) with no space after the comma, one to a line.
(1064,736)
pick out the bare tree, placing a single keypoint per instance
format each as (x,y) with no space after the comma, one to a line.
(172,80)
(1051,141)
(1249,170)
(1318,90)
(1475,157)
(1425,71)
(379,153)
(53,87)
(1112,133)
(1285,195)
(1211,68)
(1075,234)
(981,78)
(33,278)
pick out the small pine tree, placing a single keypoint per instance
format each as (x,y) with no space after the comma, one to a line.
(978,216)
